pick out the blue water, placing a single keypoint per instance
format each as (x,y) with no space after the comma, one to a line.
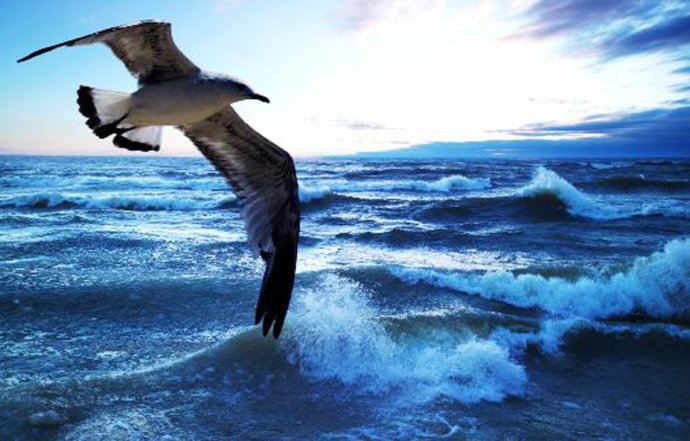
(481,300)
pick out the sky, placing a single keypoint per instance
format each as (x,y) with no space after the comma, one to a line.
(347,76)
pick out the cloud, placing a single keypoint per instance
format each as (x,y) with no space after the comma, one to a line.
(650,133)
(351,124)
(364,125)
(359,15)
(667,35)
(612,28)
(555,17)
(663,125)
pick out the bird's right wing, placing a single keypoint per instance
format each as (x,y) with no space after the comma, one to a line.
(146,48)
(262,176)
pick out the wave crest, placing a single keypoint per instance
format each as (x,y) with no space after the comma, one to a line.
(337,335)
(444,185)
(658,285)
(547,183)
(143,202)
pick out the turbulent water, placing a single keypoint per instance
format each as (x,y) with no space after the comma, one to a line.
(482,300)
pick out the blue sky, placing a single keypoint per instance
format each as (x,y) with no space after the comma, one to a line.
(349,76)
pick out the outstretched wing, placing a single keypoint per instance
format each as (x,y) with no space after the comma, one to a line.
(145,47)
(262,176)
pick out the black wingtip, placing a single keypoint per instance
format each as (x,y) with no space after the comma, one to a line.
(134,146)
(30,56)
(276,288)
(44,50)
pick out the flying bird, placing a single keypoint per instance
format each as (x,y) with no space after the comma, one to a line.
(173,91)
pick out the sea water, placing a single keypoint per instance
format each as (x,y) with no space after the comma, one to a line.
(439,299)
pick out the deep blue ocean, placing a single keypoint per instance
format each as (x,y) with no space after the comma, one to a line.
(445,299)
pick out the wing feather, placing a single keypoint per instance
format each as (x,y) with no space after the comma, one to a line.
(262,176)
(146,48)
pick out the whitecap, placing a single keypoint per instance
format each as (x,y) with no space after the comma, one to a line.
(442,185)
(657,285)
(109,201)
(335,333)
(547,182)
(313,193)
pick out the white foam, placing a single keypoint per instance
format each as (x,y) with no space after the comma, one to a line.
(134,424)
(112,182)
(443,185)
(609,165)
(335,333)
(308,193)
(547,182)
(658,285)
(578,203)
(108,201)
(449,183)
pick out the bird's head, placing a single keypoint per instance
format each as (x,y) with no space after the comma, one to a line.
(238,91)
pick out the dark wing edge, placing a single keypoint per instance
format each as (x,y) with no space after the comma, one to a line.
(263,177)
(145,47)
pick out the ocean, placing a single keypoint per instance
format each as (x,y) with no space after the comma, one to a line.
(436,299)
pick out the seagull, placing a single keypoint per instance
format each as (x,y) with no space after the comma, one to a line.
(173,91)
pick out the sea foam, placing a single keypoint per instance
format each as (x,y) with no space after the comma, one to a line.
(134,201)
(657,285)
(336,334)
(442,185)
(109,201)
(548,183)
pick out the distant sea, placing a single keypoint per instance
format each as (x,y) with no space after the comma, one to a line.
(439,299)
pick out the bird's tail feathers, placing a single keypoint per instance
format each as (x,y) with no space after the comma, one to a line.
(143,139)
(106,112)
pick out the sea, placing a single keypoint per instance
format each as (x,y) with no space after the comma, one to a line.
(439,299)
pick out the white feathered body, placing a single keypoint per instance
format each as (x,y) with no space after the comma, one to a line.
(177,102)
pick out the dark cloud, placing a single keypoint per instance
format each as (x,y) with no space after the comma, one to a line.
(671,34)
(659,125)
(651,133)
(613,28)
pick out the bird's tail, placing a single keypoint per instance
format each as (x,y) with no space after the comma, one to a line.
(106,112)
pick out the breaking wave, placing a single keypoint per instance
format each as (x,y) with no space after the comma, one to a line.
(547,183)
(131,202)
(657,285)
(336,334)
(58,200)
(113,182)
(447,184)
(309,194)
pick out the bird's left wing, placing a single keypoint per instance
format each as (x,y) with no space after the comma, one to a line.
(146,48)
(262,176)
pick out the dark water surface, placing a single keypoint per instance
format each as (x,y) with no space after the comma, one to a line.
(463,300)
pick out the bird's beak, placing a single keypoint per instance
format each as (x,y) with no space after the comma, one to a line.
(261,98)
